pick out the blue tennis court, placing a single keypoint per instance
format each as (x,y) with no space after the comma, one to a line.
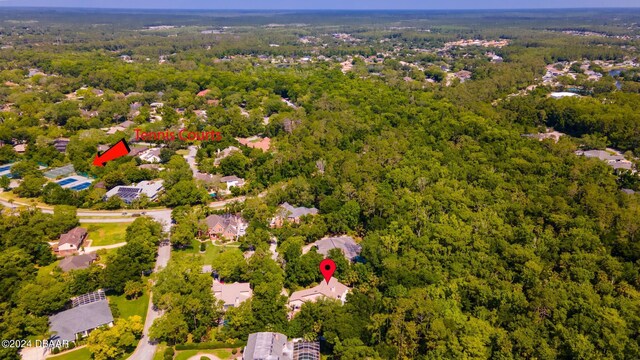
(80,186)
(5,168)
(64,182)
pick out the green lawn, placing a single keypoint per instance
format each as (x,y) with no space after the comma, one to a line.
(102,234)
(221,353)
(80,354)
(159,355)
(45,270)
(210,253)
(131,307)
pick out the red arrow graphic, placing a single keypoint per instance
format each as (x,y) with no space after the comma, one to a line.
(118,150)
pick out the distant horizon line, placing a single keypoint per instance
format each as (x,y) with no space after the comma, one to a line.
(325,9)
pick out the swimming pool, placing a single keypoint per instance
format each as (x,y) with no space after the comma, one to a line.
(66,181)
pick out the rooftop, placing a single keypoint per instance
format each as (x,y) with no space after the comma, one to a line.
(230,178)
(129,193)
(74,237)
(347,244)
(232,294)
(605,155)
(67,324)
(204,177)
(77,262)
(267,346)
(297,212)
(333,290)
(256,143)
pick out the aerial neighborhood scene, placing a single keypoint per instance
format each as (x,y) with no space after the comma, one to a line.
(284,180)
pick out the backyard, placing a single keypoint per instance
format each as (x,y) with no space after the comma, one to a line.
(131,307)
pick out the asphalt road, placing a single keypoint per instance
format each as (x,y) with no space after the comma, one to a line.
(191,159)
(147,348)
(114,220)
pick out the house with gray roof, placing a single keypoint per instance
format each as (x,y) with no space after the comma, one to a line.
(345,243)
(77,262)
(289,213)
(274,346)
(129,193)
(79,321)
(268,346)
(221,154)
(232,181)
(612,157)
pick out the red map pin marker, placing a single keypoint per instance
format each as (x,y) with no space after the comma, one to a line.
(327,268)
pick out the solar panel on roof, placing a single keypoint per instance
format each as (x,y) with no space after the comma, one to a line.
(128,191)
(88,298)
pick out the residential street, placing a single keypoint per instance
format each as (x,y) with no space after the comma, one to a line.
(116,220)
(191,159)
(146,349)
(123,215)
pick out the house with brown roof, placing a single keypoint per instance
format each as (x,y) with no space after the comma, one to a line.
(289,213)
(332,290)
(231,294)
(203,92)
(71,241)
(204,177)
(256,143)
(463,75)
(76,262)
(227,226)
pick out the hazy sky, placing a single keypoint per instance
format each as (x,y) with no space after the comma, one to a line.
(326,4)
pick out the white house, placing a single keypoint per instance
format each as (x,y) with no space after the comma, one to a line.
(150,155)
(232,181)
(71,241)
